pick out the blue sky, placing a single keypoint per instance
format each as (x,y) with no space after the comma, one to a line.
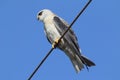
(23,43)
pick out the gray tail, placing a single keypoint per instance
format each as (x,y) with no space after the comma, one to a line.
(79,62)
(87,62)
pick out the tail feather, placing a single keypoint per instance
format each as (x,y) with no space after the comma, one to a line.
(76,66)
(79,62)
(87,62)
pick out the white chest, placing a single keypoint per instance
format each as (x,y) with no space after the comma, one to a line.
(51,30)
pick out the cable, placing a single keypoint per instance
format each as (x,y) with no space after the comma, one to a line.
(59,40)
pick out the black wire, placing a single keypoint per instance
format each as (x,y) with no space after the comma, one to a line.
(59,40)
(40,63)
(74,20)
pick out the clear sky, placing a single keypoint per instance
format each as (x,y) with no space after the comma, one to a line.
(23,43)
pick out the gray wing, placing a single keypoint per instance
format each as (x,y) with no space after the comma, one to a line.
(61,26)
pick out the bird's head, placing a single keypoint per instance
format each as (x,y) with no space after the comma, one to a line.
(43,14)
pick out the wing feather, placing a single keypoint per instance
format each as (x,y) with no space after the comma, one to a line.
(61,26)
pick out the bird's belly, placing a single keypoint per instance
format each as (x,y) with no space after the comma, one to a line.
(52,32)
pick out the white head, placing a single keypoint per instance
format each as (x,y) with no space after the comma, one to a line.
(43,14)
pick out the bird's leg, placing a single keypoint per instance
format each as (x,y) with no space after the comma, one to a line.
(55,43)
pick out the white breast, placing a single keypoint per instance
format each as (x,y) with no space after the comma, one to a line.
(51,30)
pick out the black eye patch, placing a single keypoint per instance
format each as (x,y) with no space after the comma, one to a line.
(40,13)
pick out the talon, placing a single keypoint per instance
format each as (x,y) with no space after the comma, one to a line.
(55,42)
(53,45)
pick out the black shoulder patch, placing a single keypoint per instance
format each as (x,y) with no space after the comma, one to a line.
(60,23)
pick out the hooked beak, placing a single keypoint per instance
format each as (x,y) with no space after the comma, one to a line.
(37,18)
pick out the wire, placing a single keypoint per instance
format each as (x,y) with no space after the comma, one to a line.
(59,40)
(40,63)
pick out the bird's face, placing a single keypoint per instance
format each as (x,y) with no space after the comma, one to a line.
(44,14)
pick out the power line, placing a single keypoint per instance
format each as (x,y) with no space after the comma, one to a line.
(59,40)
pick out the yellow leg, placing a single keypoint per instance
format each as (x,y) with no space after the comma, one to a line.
(55,42)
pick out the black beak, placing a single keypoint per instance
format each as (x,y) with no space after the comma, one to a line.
(37,18)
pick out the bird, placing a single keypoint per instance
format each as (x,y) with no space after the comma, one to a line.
(54,27)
